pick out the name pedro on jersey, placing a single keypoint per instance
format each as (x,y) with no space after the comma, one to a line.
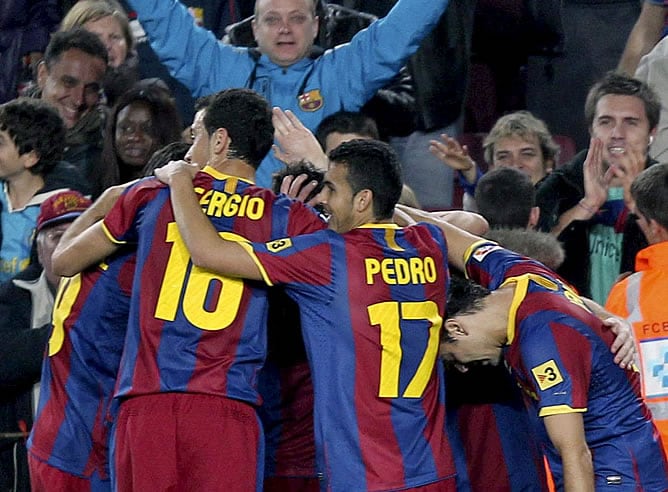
(215,203)
(401,271)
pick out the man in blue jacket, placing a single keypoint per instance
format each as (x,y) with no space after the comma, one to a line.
(282,68)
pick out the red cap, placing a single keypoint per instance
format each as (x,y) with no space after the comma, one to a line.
(61,207)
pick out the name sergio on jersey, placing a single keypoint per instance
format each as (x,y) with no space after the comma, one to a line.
(215,203)
(401,271)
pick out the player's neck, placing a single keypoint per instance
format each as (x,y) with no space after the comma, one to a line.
(364,219)
(500,302)
(236,167)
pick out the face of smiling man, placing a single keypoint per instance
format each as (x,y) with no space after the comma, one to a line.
(621,123)
(72,84)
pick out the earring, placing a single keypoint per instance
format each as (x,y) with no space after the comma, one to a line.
(651,139)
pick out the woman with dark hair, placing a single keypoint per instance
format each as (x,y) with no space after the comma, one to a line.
(143,120)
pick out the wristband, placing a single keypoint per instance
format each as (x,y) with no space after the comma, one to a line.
(589,210)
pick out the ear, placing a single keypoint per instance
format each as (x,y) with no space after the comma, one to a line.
(29,159)
(656,230)
(220,141)
(549,166)
(534,215)
(363,200)
(454,329)
(42,74)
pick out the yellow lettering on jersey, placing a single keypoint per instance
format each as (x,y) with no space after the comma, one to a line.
(569,293)
(547,375)
(401,271)
(67,295)
(388,316)
(195,284)
(215,203)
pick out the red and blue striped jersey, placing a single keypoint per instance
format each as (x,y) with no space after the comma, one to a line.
(371,304)
(287,419)
(559,353)
(191,330)
(286,389)
(487,420)
(80,367)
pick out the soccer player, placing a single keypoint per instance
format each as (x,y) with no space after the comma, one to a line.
(285,382)
(595,429)
(372,297)
(196,340)
(69,442)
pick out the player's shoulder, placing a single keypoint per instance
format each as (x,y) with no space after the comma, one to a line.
(148,184)
(145,186)
(141,192)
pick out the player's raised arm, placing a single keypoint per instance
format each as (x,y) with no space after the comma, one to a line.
(566,431)
(207,249)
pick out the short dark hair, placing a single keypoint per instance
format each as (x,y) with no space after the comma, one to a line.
(246,116)
(372,165)
(34,125)
(619,84)
(79,39)
(650,192)
(464,296)
(505,197)
(175,151)
(203,102)
(295,169)
(346,122)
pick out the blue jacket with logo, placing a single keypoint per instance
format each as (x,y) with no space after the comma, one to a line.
(343,78)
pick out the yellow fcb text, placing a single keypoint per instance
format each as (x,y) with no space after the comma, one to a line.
(401,271)
(215,203)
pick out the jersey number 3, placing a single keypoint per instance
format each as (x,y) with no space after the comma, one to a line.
(388,316)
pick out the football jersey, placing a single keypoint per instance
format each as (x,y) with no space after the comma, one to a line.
(191,330)
(287,394)
(371,304)
(488,422)
(559,353)
(80,367)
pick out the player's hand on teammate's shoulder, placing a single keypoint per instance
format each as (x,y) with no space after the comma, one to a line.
(624,346)
(175,170)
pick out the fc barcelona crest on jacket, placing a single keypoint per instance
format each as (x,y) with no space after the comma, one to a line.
(311,100)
